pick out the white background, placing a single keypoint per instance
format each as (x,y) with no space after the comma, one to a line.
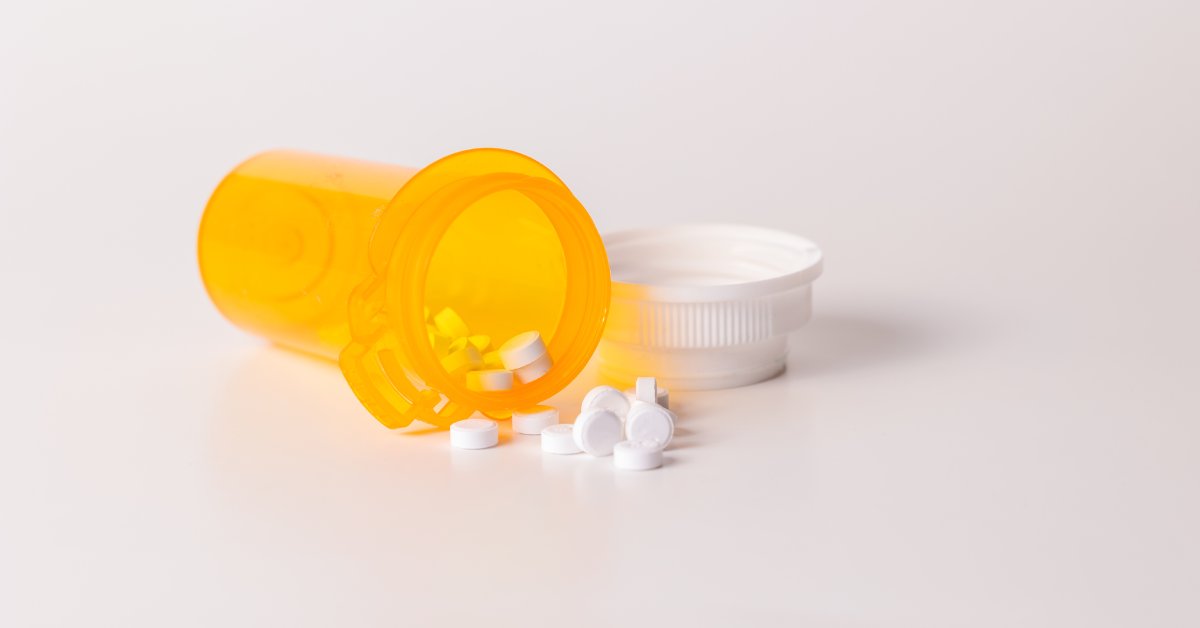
(991,421)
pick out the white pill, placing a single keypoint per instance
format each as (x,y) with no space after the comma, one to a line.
(535,369)
(662,396)
(607,398)
(650,421)
(596,431)
(522,349)
(559,439)
(637,455)
(490,379)
(474,434)
(646,389)
(534,420)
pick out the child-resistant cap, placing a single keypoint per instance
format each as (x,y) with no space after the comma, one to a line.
(705,306)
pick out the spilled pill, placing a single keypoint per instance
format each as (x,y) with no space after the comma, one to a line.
(650,421)
(662,396)
(597,431)
(646,389)
(559,439)
(637,455)
(474,434)
(534,420)
(608,398)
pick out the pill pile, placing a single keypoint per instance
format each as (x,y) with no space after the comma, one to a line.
(521,359)
(633,427)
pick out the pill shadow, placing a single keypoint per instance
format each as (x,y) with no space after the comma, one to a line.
(835,343)
(670,461)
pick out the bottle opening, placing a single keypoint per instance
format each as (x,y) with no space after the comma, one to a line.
(499,240)
(500,266)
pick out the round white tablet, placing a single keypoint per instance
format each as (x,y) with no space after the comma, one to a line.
(650,421)
(637,455)
(522,349)
(662,396)
(607,398)
(559,439)
(646,389)
(535,369)
(474,434)
(490,379)
(596,431)
(534,420)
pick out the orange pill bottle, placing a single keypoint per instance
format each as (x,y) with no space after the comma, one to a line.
(345,259)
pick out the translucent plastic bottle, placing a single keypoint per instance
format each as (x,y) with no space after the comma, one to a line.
(344,259)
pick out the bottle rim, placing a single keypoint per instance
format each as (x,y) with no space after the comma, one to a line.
(389,323)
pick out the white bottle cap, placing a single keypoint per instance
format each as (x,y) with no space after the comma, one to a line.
(474,434)
(559,439)
(637,455)
(705,306)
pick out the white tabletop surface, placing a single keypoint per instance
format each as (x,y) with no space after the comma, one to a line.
(992,420)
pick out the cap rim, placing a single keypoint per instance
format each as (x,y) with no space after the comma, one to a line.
(794,261)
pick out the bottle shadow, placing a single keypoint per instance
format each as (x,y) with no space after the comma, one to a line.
(276,377)
(837,342)
(271,394)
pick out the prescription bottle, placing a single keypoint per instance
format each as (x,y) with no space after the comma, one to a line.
(345,259)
